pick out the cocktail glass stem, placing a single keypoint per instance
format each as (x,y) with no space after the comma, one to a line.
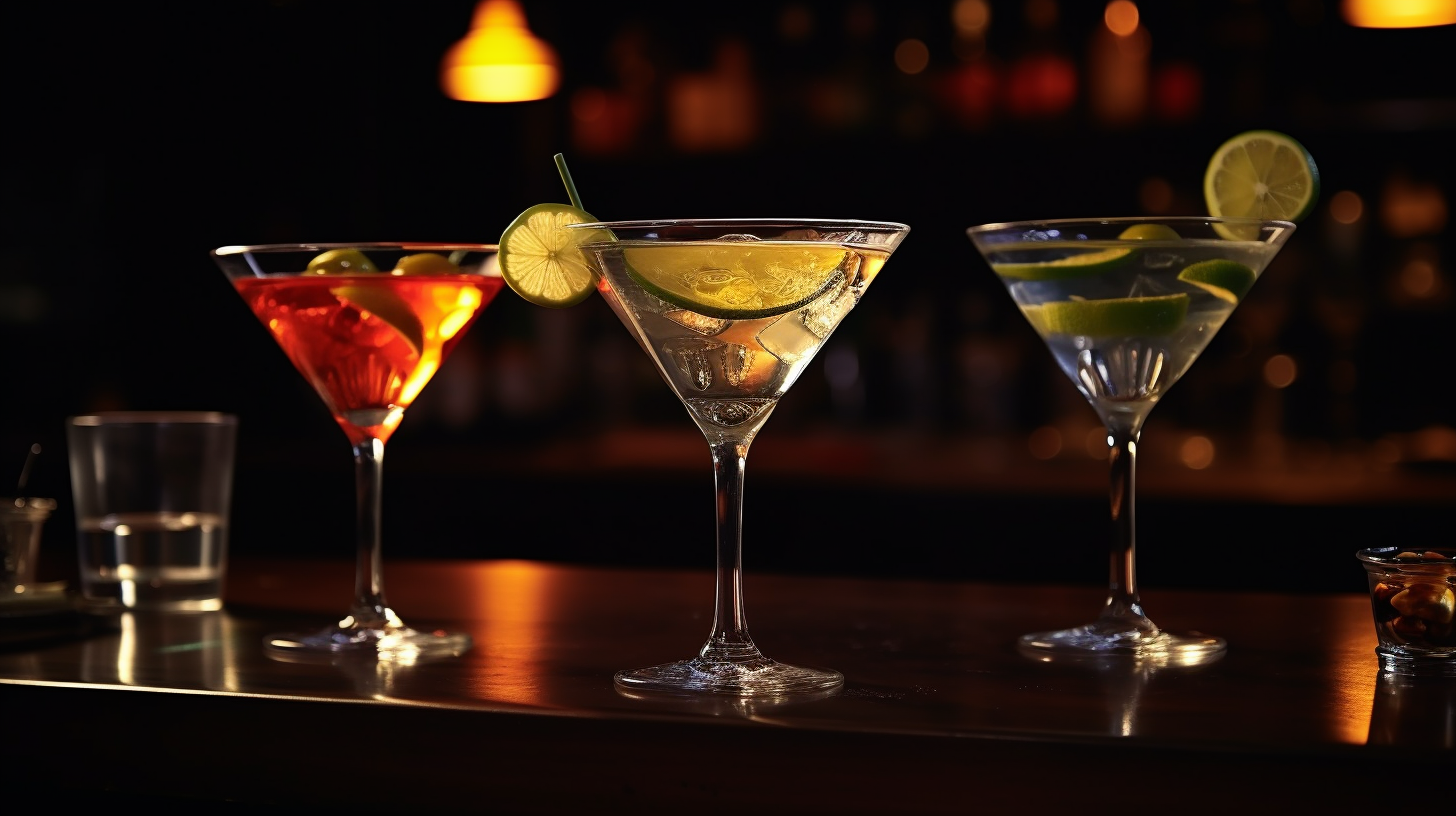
(372,627)
(729,663)
(1123,628)
(1123,611)
(729,642)
(370,610)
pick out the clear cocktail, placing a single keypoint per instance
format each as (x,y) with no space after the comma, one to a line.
(732,311)
(1126,305)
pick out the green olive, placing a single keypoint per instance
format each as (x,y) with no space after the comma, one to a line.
(426,263)
(341,262)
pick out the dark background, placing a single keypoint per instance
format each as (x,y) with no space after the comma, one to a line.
(139,136)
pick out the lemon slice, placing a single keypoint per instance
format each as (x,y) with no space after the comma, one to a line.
(540,259)
(387,306)
(1114,317)
(1227,280)
(737,281)
(1073,266)
(1260,174)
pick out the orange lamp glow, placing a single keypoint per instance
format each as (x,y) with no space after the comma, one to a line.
(1121,17)
(500,60)
(1398,13)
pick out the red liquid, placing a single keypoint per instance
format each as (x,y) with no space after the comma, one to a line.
(368,343)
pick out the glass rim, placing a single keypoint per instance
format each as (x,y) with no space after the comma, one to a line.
(1135,219)
(99,418)
(1386,555)
(241,249)
(847,223)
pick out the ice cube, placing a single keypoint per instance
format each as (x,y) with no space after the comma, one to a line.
(788,338)
(702,324)
(824,314)
(738,362)
(1162,260)
(693,356)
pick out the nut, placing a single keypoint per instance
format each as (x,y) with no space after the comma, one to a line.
(1409,628)
(1431,602)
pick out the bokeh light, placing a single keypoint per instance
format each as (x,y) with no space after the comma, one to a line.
(971,17)
(1196,452)
(1045,442)
(912,56)
(1280,371)
(1346,207)
(1121,17)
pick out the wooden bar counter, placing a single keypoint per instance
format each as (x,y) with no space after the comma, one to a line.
(939,713)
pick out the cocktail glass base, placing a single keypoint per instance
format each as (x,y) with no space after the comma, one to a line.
(1094,640)
(386,643)
(759,678)
(1399,661)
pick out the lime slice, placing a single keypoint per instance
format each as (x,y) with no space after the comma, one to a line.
(1114,317)
(540,259)
(737,281)
(1075,266)
(1227,280)
(425,263)
(341,262)
(1149,232)
(1261,174)
(387,306)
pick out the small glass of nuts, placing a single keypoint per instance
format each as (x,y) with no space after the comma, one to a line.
(1413,597)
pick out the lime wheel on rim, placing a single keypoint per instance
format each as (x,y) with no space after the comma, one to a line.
(541,260)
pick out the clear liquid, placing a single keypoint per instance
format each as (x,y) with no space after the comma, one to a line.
(154,560)
(731,373)
(1131,369)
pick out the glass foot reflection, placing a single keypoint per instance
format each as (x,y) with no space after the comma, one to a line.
(386,642)
(760,678)
(372,678)
(1094,640)
(1124,679)
(724,705)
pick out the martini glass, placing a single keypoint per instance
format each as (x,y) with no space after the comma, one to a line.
(732,311)
(367,325)
(1126,305)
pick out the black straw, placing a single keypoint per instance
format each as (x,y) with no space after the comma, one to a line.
(25,469)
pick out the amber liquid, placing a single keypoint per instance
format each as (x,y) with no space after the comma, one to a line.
(368,343)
